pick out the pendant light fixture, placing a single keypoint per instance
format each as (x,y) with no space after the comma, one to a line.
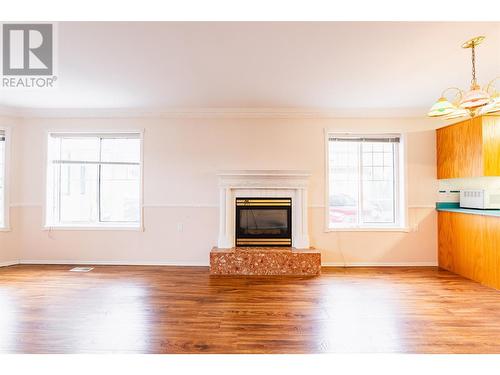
(494,92)
(475,101)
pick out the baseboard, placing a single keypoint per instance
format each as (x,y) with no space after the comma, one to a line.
(114,262)
(205,264)
(9,263)
(379,264)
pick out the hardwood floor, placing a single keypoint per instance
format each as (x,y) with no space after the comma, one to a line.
(46,309)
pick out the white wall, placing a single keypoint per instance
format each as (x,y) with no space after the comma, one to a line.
(181,158)
(9,238)
(449,187)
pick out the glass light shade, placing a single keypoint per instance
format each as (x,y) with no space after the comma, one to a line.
(474,98)
(494,106)
(441,108)
(457,113)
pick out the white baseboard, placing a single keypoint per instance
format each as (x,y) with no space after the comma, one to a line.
(204,264)
(115,262)
(9,263)
(379,264)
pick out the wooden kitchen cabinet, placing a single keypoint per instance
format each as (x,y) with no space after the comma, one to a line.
(470,148)
(469,245)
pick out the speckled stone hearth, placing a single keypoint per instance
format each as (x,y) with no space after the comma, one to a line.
(265,261)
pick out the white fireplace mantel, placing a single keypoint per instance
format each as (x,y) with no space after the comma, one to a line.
(263,183)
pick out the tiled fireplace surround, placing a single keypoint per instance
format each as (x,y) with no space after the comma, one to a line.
(298,260)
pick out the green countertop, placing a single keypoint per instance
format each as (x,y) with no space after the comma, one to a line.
(455,207)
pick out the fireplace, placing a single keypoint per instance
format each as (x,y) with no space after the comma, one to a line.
(260,210)
(263,222)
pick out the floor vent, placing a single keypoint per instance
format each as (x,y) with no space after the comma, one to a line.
(81,269)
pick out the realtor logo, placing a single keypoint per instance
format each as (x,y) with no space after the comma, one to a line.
(28,55)
(27,49)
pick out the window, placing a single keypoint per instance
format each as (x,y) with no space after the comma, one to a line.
(3,203)
(365,181)
(94,180)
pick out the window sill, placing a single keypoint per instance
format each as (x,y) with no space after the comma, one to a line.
(94,227)
(5,229)
(347,229)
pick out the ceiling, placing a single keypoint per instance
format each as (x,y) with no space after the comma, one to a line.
(315,65)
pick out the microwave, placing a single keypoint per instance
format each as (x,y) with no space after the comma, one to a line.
(480,198)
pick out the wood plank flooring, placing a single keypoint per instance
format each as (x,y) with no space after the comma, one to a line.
(46,309)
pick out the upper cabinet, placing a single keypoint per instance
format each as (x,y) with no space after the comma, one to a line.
(470,148)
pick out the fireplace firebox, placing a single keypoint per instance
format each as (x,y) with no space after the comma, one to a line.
(263,222)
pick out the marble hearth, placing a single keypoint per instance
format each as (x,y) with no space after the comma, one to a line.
(265,261)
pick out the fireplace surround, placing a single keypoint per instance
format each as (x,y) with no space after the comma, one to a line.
(291,184)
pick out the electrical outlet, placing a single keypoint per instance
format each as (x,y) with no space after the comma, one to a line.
(180,227)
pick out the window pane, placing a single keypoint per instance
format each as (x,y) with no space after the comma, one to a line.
(378,159)
(2,181)
(80,149)
(378,184)
(344,184)
(388,159)
(96,193)
(362,182)
(120,150)
(377,146)
(367,158)
(120,195)
(78,193)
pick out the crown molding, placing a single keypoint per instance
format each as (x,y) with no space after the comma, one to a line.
(276,113)
(10,111)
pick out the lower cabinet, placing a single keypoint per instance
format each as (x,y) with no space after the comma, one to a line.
(469,245)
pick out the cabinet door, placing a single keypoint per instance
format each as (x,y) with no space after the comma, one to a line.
(469,245)
(460,244)
(445,152)
(459,150)
(491,250)
(446,241)
(491,145)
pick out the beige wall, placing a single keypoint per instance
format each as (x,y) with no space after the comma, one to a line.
(181,158)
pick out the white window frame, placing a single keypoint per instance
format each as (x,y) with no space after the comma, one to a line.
(401,205)
(95,226)
(6,209)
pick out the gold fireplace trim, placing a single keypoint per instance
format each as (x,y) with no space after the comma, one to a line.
(264,202)
(264,241)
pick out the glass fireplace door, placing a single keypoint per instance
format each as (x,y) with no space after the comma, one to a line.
(263,222)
